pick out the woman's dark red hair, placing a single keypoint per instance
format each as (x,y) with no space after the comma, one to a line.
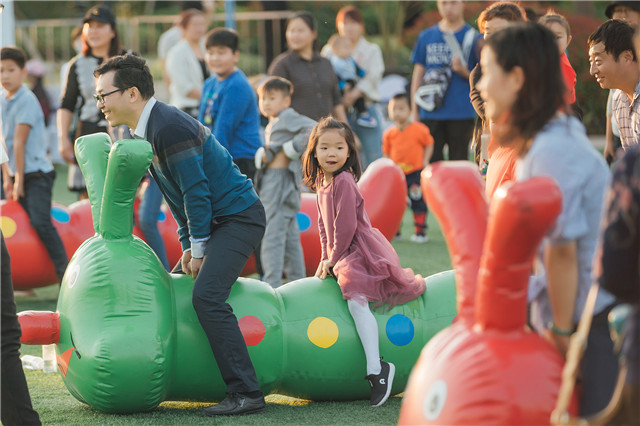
(350,13)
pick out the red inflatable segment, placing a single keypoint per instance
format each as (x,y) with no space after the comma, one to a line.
(384,189)
(491,370)
(517,224)
(75,225)
(310,237)
(30,264)
(39,327)
(455,193)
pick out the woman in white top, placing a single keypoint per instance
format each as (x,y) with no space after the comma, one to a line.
(368,56)
(185,63)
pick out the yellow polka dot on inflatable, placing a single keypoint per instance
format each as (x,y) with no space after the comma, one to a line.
(322,332)
(8,226)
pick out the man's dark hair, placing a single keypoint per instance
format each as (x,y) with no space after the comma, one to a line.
(616,35)
(225,37)
(15,54)
(277,84)
(400,96)
(130,71)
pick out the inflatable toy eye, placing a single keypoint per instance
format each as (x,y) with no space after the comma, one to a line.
(71,276)
(435,400)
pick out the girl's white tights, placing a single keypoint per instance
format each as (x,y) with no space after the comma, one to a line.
(367,329)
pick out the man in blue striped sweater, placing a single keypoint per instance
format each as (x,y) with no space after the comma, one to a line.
(220,218)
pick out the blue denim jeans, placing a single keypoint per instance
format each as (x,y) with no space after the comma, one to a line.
(371,138)
(37,204)
(148,221)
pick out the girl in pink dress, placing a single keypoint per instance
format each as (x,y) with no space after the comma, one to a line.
(363,262)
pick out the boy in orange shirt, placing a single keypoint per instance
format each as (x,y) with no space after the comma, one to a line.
(409,145)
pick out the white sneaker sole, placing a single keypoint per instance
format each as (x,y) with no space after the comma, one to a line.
(392,372)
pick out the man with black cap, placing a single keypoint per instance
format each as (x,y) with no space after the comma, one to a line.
(628,11)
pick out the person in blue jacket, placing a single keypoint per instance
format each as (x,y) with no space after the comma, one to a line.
(229,105)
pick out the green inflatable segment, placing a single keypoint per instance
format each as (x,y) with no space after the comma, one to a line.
(92,153)
(130,338)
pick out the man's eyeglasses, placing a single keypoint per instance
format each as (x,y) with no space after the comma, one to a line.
(100,97)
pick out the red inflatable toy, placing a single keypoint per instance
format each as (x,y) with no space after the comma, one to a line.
(382,186)
(488,367)
(30,263)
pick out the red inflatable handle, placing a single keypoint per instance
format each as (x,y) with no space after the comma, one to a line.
(455,193)
(39,327)
(520,216)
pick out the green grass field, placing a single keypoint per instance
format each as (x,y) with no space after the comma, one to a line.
(56,406)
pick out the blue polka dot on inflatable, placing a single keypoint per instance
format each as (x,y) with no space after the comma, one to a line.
(400,330)
(161,216)
(304,222)
(59,214)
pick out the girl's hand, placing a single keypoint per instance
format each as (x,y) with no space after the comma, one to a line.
(324,268)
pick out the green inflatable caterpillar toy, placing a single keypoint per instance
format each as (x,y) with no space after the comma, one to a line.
(128,337)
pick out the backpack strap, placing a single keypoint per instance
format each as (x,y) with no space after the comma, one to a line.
(467,43)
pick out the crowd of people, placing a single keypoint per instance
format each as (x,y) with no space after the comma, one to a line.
(509,89)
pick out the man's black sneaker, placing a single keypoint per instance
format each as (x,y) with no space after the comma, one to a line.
(235,404)
(381,383)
